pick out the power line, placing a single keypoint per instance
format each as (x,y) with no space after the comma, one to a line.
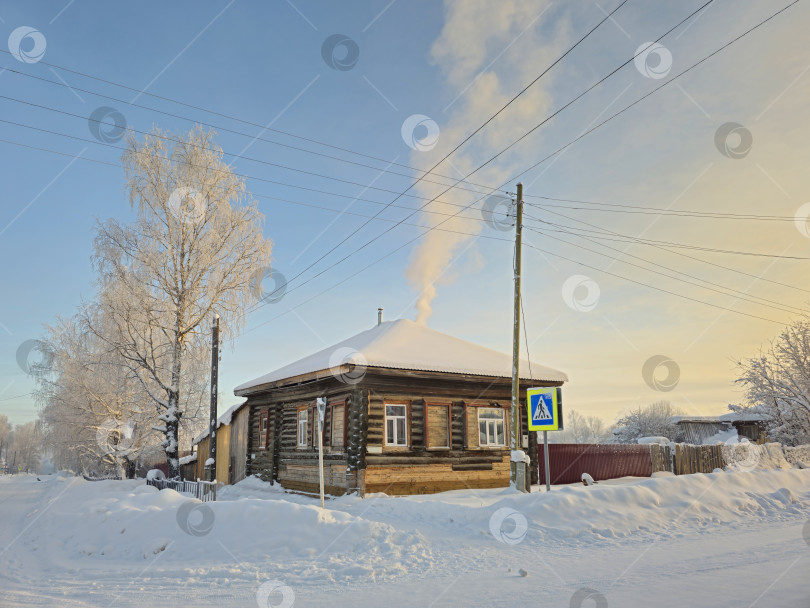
(569,259)
(702,283)
(619,208)
(295,202)
(640,241)
(672,293)
(16,397)
(655,90)
(220,128)
(445,157)
(243,175)
(562,148)
(685,255)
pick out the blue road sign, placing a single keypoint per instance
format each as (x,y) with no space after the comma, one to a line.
(544,408)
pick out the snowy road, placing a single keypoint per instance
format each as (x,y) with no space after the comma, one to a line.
(744,543)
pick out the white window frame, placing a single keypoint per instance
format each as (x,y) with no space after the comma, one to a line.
(302,428)
(490,423)
(403,417)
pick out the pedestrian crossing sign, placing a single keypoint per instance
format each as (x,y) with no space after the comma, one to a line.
(544,408)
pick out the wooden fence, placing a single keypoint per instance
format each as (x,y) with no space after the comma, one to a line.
(697,459)
(202,490)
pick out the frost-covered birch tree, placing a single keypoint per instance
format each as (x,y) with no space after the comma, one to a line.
(92,409)
(194,250)
(777,383)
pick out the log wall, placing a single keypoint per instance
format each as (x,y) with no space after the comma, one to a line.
(365,464)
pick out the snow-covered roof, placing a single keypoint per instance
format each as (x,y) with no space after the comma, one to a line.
(745,417)
(403,344)
(224,419)
(695,419)
(188,459)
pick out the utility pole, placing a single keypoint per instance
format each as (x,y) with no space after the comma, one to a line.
(321,409)
(212,426)
(514,434)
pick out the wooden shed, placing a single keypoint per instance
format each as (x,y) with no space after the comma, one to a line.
(698,429)
(231,438)
(409,411)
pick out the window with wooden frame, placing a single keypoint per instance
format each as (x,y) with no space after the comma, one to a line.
(491,427)
(303,415)
(437,422)
(396,425)
(264,420)
(337,424)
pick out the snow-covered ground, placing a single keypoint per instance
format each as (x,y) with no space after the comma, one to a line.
(725,539)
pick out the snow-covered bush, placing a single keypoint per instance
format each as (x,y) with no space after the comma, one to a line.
(654,420)
(777,383)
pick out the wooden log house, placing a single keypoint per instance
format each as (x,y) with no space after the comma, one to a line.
(409,411)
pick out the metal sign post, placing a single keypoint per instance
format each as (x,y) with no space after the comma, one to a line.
(545,414)
(321,403)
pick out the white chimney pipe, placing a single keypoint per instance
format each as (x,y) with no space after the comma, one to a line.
(379,316)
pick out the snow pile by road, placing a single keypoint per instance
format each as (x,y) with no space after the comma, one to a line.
(102,524)
(113,532)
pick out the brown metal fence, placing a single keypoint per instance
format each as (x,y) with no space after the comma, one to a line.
(568,461)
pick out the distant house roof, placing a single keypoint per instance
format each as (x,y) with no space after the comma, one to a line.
(406,345)
(724,418)
(697,420)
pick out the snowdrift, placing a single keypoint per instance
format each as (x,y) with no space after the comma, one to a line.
(98,525)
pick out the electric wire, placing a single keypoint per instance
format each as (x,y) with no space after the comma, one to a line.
(599,206)
(655,90)
(573,141)
(219,128)
(437,164)
(672,293)
(740,295)
(685,255)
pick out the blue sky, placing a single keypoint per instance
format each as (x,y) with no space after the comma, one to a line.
(457,64)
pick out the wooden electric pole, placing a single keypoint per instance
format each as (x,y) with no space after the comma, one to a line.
(212,426)
(514,433)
